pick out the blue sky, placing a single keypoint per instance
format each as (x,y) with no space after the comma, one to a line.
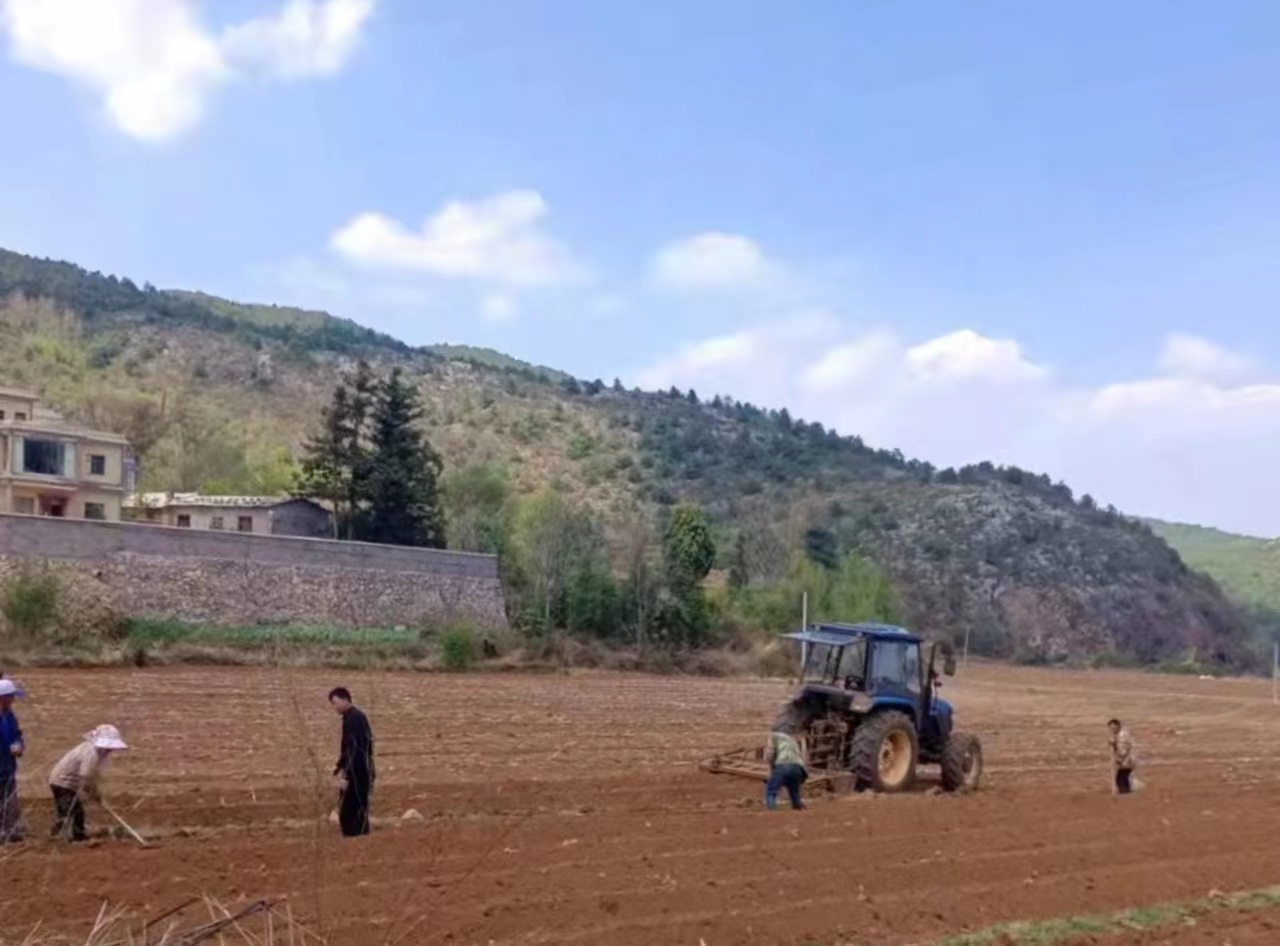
(1042,233)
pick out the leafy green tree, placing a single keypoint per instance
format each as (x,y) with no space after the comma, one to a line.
(477,507)
(402,488)
(593,603)
(689,550)
(551,544)
(856,590)
(275,475)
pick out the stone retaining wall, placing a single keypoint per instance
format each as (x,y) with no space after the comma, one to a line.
(236,579)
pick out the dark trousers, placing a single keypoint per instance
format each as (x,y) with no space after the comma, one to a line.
(1124,784)
(353,807)
(789,776)
(10,810)
(68,821)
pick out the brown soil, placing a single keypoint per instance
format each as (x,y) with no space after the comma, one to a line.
(569,810)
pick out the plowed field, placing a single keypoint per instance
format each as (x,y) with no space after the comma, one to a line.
(569,810)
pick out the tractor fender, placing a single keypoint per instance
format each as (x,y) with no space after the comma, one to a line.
(897,703)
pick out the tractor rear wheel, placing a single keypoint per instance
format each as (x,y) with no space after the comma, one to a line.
(961,763)
(883,752)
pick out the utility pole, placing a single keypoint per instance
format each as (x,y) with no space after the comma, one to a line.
(1275,672)
(804,626)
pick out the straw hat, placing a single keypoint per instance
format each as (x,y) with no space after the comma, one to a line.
(106,737)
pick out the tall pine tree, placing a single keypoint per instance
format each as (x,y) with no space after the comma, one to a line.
(336,465)
(402,488)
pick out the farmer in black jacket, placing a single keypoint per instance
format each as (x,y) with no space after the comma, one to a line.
(355,771)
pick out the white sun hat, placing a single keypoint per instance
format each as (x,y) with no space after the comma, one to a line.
(10,688)
(107,737)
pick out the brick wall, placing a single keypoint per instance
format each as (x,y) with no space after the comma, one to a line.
(234,579)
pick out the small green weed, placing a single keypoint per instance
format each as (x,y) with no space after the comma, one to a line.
(1066,929)
(458,649)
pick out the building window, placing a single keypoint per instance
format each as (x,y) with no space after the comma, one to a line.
(1,415)
(245,523)
(43,457)
(24,506)
(97,464)
(95,511)
(19,415)
(215,522)
(184,521)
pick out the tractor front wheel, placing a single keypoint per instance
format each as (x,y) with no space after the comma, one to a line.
(961,763)
(883,752)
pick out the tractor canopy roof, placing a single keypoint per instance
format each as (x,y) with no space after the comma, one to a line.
(839,635)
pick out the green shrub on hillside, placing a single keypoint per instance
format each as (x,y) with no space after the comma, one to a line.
(30,603)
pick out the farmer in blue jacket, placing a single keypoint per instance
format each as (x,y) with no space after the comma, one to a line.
(11,749)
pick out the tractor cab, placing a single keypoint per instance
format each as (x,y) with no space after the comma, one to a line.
(860,667)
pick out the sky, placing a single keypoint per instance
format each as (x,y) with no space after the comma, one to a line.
(1040,234)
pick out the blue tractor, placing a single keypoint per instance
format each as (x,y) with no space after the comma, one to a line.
(868,711)
(868,704)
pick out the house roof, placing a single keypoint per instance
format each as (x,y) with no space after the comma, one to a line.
(58,427)
(44,420)
(171,500)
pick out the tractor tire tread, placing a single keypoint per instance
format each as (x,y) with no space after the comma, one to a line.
(953,762)
(864,752)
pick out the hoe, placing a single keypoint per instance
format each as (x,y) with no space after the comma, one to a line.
(868,713)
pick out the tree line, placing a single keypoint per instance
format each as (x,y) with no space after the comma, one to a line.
(642,583)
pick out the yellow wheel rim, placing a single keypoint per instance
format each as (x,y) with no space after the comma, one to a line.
(895,757)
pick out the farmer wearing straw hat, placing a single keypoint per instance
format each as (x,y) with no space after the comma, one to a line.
(74,779)
(11,748)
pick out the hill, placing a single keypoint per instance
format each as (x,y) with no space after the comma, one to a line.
(1248,568)
(220,396)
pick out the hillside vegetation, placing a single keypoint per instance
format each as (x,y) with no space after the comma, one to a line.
(1247,568)
(221,396)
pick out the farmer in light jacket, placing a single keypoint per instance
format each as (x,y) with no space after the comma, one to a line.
(74,780)
(1123,756)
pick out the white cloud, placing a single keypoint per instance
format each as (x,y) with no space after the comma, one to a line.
(495,239)
(758,359)
(967,356)
(1169,445)
(305,38)
(710,262)
(1190,356)
(154,63)
(852,363)
(498,307)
